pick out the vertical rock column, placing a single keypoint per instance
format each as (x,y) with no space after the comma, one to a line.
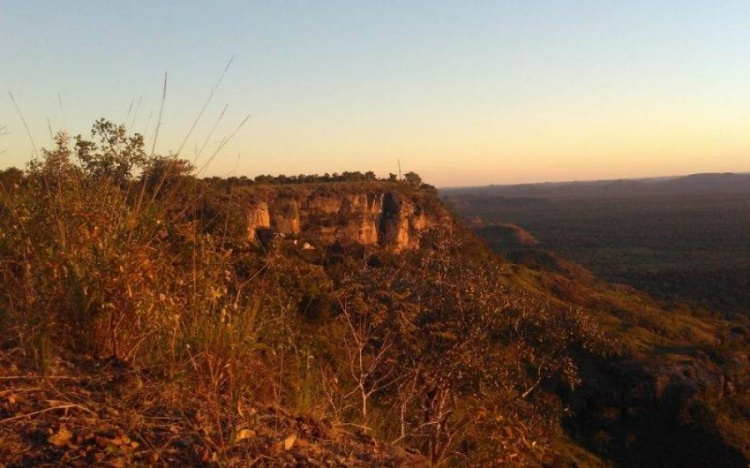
(258,218)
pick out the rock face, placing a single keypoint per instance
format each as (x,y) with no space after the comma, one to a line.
(388,218)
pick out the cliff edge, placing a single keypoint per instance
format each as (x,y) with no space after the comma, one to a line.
(391,216)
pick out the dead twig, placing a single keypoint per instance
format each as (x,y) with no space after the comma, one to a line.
(46,410)
(56,377)
(12,391)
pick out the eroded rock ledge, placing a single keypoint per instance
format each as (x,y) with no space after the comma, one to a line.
(388,217)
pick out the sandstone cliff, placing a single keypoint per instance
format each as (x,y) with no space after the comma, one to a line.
(390,216)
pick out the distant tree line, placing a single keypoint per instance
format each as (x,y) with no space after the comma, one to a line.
(410,178)
(160,166)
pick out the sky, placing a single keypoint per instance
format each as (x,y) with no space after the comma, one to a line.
(461,92)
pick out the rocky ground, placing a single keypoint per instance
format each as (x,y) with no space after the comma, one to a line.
(87,412)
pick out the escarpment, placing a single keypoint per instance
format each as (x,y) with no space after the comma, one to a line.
(392,218)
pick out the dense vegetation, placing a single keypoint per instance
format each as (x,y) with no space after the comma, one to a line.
(678,240)
(120,276)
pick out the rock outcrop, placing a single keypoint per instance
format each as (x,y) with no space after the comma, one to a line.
(390,218)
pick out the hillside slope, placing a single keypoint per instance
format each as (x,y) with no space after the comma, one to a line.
(185,322)
(677,393)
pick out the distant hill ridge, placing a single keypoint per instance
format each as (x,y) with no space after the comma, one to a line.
(703,183)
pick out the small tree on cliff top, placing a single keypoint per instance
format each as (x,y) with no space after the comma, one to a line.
(412,178)
(116,155)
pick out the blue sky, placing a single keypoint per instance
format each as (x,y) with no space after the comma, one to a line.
(461,92)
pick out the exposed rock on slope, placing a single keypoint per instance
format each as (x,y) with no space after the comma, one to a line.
(371,216)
